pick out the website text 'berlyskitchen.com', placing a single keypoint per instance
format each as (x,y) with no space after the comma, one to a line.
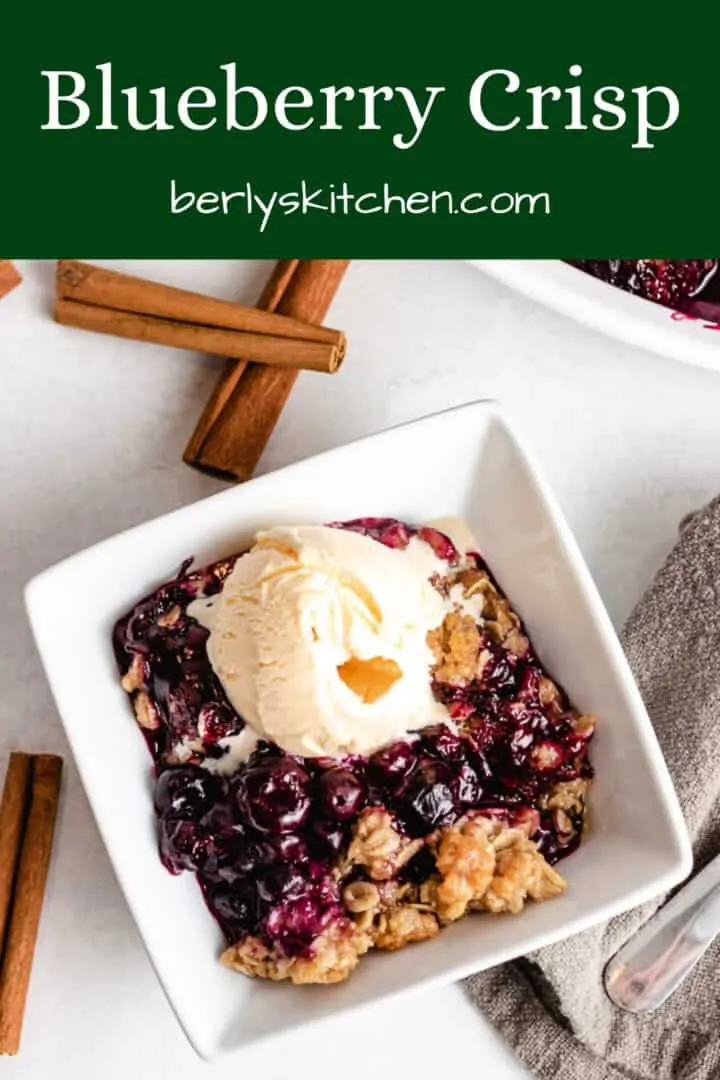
(341,199)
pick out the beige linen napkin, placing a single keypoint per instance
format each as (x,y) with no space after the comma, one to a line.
(550,1006)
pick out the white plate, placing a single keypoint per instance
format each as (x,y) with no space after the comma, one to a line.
(464,462)
(606,308)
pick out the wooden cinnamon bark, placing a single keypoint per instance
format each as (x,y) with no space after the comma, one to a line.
(270,297)
(105,288)
(27,899)
(261,348)
(241,415)
(10,277)
(13,811)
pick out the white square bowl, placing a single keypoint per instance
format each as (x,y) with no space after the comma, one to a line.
(465,462)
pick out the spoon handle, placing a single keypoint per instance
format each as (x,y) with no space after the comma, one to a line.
(655,960)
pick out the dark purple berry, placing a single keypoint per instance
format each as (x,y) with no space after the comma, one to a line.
(498,674)
(290,848)
(666,281)
(443,743)
(184,846)
(420,867)
(570,769)
(219,822)
(428,796)
(274,797)
(340,794)
(264,753)
(229,873)
(520,743)
(269,851)
(466,786)
(216,721)
(188,791)
(327,839)
(237,909)
(250,856)
(295,924)
(487,731)
(280,883)
(528,689)
(392,763)
(517,786)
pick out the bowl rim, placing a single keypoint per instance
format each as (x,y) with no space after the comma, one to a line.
(611,311)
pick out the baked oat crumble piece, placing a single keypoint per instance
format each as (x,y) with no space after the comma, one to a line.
(520,872)
(253,957)
(501,620)
(567,801)
(402,926)
(545,755)
(455,645)
(465,860)
(473,581)
(360,897)
(335,954)
(568,796)
(584,725)
(548,691)
(516,643)
(378,846)
(484,865)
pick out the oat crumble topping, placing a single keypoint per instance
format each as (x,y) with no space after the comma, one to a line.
(456,647)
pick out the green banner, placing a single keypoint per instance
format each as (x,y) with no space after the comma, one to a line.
(558,130)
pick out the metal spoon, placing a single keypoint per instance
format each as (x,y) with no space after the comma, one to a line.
(652,964)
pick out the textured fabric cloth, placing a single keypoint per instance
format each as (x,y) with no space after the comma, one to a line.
(550,1006)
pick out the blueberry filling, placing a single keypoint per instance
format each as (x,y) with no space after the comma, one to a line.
(687,285)
(267,839)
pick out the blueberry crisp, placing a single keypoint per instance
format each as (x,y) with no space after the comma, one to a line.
(354,741)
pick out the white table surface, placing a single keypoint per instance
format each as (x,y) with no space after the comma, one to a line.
(91,435)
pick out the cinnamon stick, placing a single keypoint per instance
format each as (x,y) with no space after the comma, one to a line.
(9,277)
(262,348)
(275,288)
(123,292)
(13,811)
(241,415)
(28,896)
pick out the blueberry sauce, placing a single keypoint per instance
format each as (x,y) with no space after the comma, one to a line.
(265,839)
(675,283)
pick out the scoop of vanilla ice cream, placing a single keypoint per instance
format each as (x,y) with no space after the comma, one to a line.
(319,639)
